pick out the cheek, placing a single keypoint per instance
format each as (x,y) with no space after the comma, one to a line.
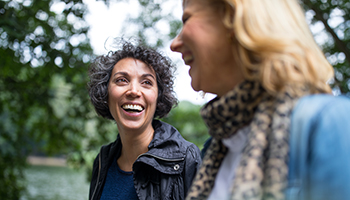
(111,103)
(153,98)
(190,33)
(113,96)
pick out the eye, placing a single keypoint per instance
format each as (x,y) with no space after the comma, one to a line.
(121,80)
(185,18)
(147,82)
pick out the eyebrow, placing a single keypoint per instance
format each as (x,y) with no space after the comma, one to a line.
(146,75)
(185,2)
(122,73)
(126,74)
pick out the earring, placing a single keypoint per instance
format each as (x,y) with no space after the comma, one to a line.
(201,94)
(230,36)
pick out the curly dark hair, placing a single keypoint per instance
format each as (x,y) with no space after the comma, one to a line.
(101,69)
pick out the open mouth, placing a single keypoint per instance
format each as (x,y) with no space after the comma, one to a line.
(132,108)
(188,59)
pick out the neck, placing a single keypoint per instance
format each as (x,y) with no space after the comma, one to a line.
(134,144)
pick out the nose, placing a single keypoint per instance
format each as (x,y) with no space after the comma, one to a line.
(177,43)
(133,91)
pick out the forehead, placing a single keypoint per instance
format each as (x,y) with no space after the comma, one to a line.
(184,3)
(132,63)
(196,3)
(187,2)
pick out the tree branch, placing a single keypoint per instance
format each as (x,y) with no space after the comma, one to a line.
(338,42)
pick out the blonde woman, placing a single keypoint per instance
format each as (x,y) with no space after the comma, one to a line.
(278,133)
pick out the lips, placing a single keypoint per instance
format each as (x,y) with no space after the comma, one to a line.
(132,108)
(188,58)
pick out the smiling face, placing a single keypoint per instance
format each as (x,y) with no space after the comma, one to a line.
(206,46)
(132,95)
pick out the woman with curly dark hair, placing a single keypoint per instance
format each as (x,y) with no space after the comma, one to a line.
(149,159)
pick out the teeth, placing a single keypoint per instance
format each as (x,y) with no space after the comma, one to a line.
(188,59)
(132,107)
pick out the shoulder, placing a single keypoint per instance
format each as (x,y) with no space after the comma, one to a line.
(320,144)
(313,107)
(322,116)
(111,148)
(318,101)
(107,152)
(169,138)
(165,132)
(320,126)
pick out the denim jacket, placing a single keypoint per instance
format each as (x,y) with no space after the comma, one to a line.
(319,166)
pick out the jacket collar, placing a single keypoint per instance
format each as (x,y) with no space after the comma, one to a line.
(167,143)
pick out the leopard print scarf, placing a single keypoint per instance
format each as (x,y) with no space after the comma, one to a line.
(263,169)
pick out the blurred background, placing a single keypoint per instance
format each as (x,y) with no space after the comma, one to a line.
(49,132)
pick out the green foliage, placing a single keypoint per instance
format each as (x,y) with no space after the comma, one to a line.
(99,131)
(43,75)
(154,26)
(187,120)
(334,15)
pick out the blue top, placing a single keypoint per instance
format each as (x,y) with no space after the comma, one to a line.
(319,166)
(119,184)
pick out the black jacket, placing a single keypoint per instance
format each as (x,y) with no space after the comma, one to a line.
(166,171)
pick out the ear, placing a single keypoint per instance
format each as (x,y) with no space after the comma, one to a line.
(227,11)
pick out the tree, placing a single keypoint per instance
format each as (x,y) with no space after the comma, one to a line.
(334,16)
(43,75)
(156,23)
(186,118)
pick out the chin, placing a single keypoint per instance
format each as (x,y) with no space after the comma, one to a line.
(195,87)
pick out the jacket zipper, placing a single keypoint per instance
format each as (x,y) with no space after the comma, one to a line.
(98,176)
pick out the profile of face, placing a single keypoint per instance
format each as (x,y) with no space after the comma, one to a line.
(132,94)
(206,46)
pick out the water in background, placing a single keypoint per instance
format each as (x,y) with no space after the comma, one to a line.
(55,183)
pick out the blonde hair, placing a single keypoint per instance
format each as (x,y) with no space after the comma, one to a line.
(275,45)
